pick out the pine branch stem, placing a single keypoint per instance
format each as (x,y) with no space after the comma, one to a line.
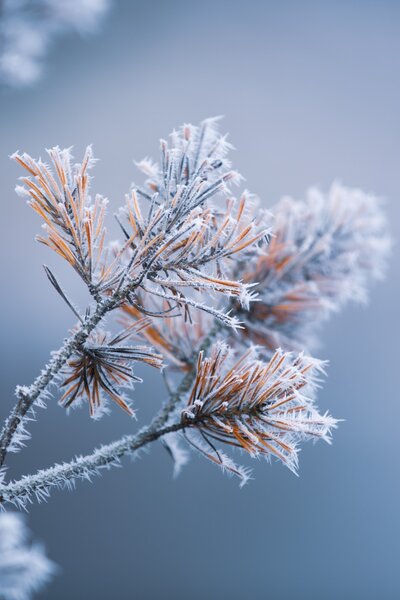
(26,396)
(83,467)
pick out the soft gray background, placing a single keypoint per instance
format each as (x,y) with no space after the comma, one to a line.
(311,92)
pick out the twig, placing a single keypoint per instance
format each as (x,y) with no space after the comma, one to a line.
(83,467)
(28,395)
(20,492)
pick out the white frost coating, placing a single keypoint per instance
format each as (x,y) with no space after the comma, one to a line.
(24,568)
(21,435)
(38,486)
(325,251)
(28,27)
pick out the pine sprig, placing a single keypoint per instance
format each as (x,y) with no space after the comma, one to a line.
(195,266)
(262,408)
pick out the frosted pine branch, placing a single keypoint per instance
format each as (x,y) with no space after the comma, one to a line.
(199,275)
(38,486)
(263,408)
(27,396)
(75,231)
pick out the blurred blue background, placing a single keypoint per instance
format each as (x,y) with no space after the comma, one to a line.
(310,92)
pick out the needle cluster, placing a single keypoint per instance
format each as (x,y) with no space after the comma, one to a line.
(264,408)
(324,252)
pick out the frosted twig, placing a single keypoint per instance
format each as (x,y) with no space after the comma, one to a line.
(83,467)
(27,396)
(21,492)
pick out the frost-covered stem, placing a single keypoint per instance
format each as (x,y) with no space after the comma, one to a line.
(27,395)
(83,467)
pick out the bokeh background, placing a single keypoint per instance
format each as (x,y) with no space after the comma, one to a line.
(310,92)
